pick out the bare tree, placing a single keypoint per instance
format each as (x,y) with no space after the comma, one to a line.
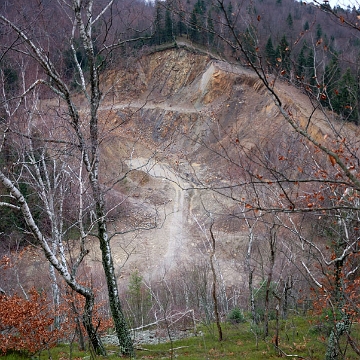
(214,285)
(324,183)
(308,171)
(81,133)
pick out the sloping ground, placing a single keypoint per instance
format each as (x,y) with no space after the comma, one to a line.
(177,123)
(174,116)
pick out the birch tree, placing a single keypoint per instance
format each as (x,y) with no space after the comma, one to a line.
(81,132)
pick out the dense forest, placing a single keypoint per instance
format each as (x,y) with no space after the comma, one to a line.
(71,75)
(290,38)
(295,39)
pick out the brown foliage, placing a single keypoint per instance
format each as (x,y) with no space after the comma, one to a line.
(28,324)
(25,324)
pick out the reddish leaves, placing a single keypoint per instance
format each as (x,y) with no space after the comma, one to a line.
(26,324)
(332,160)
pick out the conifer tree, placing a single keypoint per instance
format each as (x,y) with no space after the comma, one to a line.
(344,99)
(310,66)
(270,55)
(331,77)
(194,27)
(249,43)
(289,21)
(283,54)
(181,27)
(210,28)
(301,63)
(230,12)
(318,32)
(158,24)
(200,7)
(197,31)
(169,34)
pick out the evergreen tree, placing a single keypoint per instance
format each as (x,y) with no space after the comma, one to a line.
(230,12)
(283,54)
(10,78)
(211,30)
(197,23)
(249,43)
(344,100)
(301,63)
(289,21)
(310,68)
(306,26)
(181,27)
(318,32)
(158,24)
(331,77)
(270,55)
(168,32)
(325,5)
(200,7)
(194,27)
(138,299)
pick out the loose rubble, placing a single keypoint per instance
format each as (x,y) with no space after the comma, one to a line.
(151,336)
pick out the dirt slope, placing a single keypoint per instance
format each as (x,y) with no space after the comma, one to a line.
(161,112)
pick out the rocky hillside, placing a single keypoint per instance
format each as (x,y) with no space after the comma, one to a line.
(172,121)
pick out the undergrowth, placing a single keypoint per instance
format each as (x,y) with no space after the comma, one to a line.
(299,336)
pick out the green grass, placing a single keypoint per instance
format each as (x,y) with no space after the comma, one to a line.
(298,336)
(15,356)
(241,342)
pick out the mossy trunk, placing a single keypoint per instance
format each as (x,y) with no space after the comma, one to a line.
(333,351)
(94,337)
(121,326)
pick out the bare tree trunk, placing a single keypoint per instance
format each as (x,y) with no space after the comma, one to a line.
(287,290)
(340,326)
(250,271)
(353,344)
(94,337)
(120,324)
(56,295)
(83,22)
(78,329)
(87,293)
(272,243)
(251,297)
(277,328)
(214,295)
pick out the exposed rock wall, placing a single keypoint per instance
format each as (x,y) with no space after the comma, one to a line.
(183,119)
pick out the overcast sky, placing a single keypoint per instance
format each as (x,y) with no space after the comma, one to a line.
(342,3)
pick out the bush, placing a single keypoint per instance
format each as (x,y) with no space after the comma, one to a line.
(26,325)
(236,316)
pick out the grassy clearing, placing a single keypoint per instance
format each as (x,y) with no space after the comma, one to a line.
(242,342)
(298,336)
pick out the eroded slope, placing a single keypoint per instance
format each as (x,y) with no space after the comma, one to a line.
(181,123)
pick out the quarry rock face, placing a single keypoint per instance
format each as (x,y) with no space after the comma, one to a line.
(179,131)
(177,124)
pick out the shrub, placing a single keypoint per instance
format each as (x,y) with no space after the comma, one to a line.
(25,324)
(236,316)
